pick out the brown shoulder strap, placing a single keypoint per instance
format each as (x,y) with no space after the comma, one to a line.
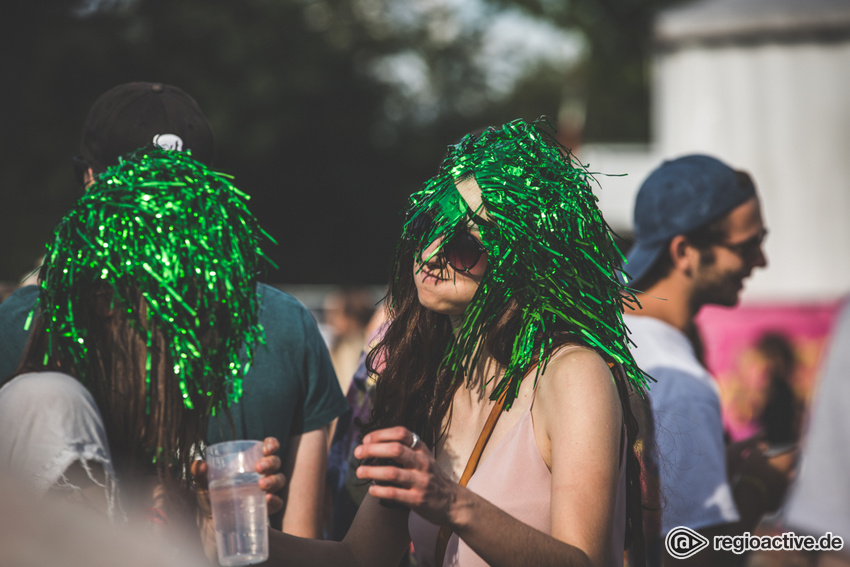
(471,465)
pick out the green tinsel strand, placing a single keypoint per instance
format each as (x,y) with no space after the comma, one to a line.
(163,226)
(548,248)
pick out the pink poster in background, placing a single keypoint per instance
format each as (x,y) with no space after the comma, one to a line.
(731,339)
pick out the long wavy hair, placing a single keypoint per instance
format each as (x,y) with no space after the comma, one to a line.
(149,429)
(543,289)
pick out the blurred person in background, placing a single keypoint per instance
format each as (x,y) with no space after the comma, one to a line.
(698,233)
(820,496)
(290,391)
(37,532)
(147,300)
(758,396)
(347,312)
(781,415)
(345,491)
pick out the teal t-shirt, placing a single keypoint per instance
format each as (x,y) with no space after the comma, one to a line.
(290,388)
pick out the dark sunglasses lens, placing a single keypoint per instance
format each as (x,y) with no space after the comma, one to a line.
(463,251)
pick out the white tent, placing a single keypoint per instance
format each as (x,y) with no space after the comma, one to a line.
(765,86)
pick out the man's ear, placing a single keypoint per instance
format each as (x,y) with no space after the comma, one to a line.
(685,256)
(88,178)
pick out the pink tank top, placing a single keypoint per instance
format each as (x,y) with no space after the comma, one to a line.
(515,478)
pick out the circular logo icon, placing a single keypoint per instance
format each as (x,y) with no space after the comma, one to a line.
(683,542)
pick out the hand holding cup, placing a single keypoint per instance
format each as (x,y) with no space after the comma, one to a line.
(237,499)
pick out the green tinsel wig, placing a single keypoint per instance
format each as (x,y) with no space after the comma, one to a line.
(549,248)
(161,229)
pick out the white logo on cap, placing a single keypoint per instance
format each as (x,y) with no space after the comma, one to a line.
(168,142)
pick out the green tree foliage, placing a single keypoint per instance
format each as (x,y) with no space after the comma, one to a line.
(307,112)
(616,70)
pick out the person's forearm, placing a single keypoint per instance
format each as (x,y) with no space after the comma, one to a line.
(377,538)
(305,466)
(294,551)
(503,541)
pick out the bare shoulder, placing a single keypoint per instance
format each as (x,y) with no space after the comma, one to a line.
(577,380)
(575,368)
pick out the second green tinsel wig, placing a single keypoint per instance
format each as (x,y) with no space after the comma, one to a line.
(161,230)
(548,247)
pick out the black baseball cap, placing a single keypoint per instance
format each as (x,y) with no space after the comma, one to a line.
(680,196)
(134,115)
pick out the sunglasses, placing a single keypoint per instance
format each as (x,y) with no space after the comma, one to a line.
(462,251)
(747,248)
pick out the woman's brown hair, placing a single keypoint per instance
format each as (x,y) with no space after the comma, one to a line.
(149,430)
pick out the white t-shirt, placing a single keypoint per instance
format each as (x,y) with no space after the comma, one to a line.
(49,421)
(688,429)
(819,500)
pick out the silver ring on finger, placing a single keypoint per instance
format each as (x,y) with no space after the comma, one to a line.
(415,442)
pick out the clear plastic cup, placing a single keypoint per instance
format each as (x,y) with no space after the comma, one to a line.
(238,504)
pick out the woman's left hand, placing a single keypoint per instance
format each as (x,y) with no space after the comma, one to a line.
(414,477)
